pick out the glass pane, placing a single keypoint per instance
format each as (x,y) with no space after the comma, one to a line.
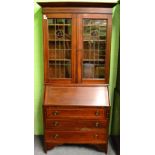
(94,45)
(59,48)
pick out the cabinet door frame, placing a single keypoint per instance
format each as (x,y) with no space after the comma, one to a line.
(80,18)
(46,52)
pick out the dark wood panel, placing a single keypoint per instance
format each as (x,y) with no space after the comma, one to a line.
(77,4)
(75,137)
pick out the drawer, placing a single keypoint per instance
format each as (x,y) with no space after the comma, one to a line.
(82,125)
(75,137)
(83,113)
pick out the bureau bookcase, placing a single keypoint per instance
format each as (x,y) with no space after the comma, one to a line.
(76,41)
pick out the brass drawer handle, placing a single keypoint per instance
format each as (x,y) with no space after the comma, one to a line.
(55,113)
(97,124)
(97,113)
(56,123)
(55,136)
(96,135)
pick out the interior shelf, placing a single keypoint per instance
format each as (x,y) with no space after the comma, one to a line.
(58,40)
(94,40)
(95,25)
(59,24)
(59,49)
(59,60)
(93,59)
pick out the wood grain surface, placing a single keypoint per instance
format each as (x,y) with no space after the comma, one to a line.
(77,96)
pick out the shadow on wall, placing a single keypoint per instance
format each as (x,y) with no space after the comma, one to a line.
(114,56)
(38,71)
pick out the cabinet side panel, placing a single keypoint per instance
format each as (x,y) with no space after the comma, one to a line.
(45,45)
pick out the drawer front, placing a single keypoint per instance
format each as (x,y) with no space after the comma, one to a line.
(83,113)
(75,137)
(82,125)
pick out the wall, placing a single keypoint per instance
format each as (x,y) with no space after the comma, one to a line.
(38,70)
(114,55)
(38,63)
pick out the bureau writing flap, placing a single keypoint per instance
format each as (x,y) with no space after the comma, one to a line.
(76,96)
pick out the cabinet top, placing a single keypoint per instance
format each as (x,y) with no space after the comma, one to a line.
(76,96)
(78,4)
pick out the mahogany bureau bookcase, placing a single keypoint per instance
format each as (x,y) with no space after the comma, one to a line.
(76,41)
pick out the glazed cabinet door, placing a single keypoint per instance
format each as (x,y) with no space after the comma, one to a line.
(94,35)
(59,48)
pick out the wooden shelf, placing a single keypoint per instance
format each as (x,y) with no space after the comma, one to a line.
(57,40)
(94,40)
(95,25)
(93,59)
(92,50)
(59,24)
(59,59)
(53,49)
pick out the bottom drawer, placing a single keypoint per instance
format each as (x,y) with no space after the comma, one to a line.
(75,137)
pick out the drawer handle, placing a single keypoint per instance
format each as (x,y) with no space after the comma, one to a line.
(55,113)
(55,136)
(97,124)
(56,123)
(97,113)
(96,135)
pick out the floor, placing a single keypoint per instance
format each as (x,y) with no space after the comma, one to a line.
(68,150)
